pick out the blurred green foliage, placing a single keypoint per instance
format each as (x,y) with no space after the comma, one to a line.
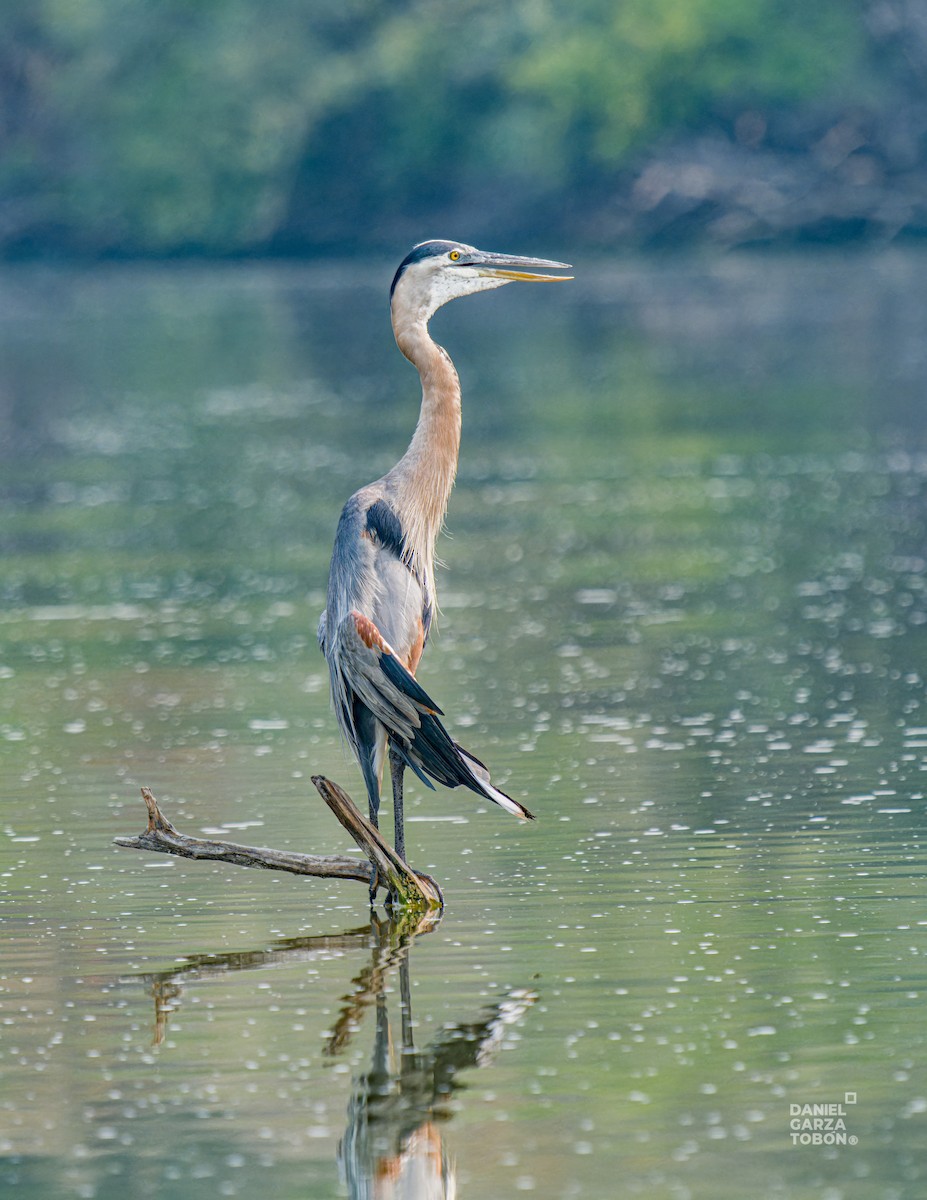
(229,126)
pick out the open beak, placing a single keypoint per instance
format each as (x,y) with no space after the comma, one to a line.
(508,266)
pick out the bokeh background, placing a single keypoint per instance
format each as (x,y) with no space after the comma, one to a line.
(233,127)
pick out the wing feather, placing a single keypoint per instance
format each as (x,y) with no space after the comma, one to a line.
(365,668)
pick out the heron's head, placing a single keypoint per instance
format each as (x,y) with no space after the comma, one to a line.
(438,271)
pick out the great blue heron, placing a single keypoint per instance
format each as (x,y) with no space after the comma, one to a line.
(381,588)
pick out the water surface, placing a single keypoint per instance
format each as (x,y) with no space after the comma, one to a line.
(683,618)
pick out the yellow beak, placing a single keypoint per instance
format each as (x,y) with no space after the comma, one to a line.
(509,266)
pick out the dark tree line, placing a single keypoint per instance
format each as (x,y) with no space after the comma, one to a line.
(229,127)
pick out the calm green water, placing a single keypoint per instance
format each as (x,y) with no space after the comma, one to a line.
(684,618)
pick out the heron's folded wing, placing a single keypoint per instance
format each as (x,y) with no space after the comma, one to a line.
(368,668)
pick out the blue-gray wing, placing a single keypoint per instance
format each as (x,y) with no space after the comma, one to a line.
(369,678)
(366,671)
(373,633)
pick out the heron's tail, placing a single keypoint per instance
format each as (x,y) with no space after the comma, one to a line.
(496,794)
(433,754)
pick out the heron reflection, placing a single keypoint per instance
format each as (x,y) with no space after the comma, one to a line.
(392,1147)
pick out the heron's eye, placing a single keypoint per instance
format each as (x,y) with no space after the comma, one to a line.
(454,255)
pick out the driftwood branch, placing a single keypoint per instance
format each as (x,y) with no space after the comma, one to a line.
(162,837)
(406,888)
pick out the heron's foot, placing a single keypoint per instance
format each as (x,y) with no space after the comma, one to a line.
(374,884)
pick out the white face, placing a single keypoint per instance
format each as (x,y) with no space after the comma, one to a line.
(436,272)
(425,285)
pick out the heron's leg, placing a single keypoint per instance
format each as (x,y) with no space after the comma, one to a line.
(374,873)
(396,769)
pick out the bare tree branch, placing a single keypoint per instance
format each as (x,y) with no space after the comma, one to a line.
(406,888)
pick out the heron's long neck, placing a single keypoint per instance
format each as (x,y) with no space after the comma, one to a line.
(424,476)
